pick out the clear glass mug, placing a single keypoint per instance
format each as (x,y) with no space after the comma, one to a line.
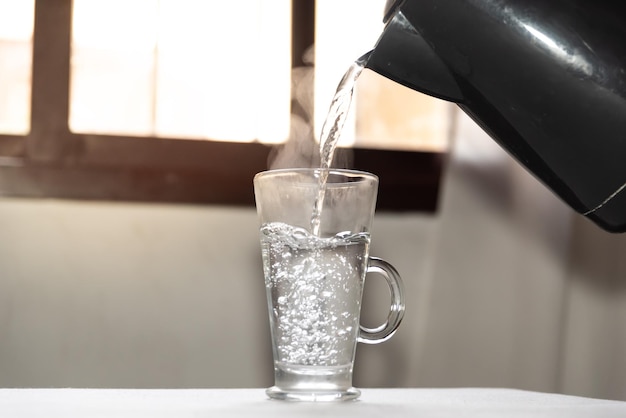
(314,281)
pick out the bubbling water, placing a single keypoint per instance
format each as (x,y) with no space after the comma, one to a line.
(314,288)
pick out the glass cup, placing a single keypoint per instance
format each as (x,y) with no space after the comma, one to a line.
(315,268)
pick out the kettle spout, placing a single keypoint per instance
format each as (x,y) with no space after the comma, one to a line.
(402,55)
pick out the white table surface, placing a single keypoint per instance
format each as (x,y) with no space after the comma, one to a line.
(379,403)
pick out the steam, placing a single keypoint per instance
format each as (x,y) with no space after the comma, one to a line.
(302,149)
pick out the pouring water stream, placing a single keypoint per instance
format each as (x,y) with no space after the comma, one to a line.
(331,131)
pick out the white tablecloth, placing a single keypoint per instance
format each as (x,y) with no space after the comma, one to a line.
(379,403)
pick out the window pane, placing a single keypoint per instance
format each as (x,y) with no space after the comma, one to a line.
(16,31)
(112,82)
(224,75)
(182,68)
(384,114)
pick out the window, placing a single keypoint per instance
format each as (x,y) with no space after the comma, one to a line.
(68,128)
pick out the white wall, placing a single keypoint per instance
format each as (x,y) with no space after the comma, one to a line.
(505,285)
(135,295)
(100,294)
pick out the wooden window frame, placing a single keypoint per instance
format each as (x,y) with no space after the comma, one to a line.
(53,162)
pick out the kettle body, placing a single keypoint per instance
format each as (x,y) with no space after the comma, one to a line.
(545,79)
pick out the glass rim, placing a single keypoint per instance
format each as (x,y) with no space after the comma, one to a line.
(313,172)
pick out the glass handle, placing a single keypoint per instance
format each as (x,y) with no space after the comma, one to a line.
(396,312)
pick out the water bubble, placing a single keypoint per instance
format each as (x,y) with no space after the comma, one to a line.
(313,282)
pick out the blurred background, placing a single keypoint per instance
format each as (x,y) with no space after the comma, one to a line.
(506,286)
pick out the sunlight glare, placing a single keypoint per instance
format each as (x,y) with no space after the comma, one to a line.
(185,68)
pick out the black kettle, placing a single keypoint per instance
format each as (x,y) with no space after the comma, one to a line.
(546,79)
